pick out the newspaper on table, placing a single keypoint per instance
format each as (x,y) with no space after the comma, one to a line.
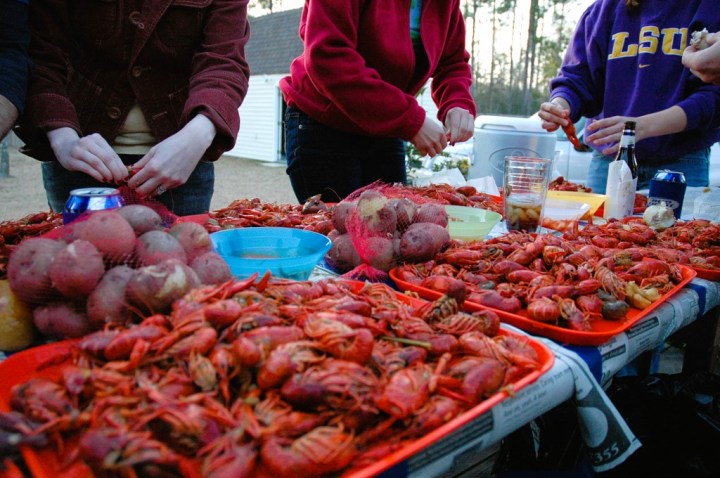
(606,435)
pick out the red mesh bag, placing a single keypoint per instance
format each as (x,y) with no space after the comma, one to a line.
(379,226)
(112,266)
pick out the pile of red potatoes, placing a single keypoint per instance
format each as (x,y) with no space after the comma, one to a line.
(111,266)
(384,231)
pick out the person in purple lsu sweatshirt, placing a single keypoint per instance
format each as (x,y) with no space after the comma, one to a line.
(624,62)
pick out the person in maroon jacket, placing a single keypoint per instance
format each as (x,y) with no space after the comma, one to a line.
(155,84)
(351,94)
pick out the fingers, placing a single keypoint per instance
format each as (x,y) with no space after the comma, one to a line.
(606,130)
(94,156)
(431,140)
(161,170)
(146,180)
(91,155)
(553,116)
(459,124)
(433,148)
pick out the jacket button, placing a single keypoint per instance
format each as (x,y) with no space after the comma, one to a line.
(136,71)
(134,17)
(113,113)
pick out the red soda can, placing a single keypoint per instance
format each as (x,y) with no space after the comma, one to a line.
(91,199)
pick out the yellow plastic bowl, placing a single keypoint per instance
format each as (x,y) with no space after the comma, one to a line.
(591,199)
(470,223)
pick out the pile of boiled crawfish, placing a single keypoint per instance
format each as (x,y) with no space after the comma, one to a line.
(562,184)
(314,215)
(12,232)
(269,378)
(447,194)
(599,272)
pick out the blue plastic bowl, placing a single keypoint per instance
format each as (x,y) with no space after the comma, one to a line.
(285,252)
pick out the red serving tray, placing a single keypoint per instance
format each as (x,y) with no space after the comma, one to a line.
(709,274)
(196,218)
(45,463)
(602,330)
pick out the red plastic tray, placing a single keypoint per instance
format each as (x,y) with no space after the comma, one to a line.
(602,330)
(196,218)
(45,463)
(709,274)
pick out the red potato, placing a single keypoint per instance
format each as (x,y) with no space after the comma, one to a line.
(71,232)
(154,288)
(193,237)
(380,253)
(340,213)
(28,267)
(375,213)
(405,211)
(154,247)
(333,234)
(107,303)
(142,218)
(432,212)
(422,241)
(342,255)
(60,320)
(211,268)
(113,236)
(76,269)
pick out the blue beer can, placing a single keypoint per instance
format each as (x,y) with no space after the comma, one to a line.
(91,199)
(668,187)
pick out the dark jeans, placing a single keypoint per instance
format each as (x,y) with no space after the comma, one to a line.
(695,166)
(193,197)
(323,160)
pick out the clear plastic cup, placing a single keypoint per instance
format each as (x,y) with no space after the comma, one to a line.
(525,186)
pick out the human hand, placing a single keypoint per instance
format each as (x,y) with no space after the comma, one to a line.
(608,131)
(705,63)
(431,139)
(8,116)
(554,114)
(170,163)
(90,154)
(459,125)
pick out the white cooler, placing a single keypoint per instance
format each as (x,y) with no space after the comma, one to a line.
(499,136)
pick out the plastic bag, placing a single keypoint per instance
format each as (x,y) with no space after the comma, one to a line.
(707,205)
(620,191)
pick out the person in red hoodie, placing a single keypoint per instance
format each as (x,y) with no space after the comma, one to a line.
(351,93)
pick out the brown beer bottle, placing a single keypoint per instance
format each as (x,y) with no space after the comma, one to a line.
(627,148)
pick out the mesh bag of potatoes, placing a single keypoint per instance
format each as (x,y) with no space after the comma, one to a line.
(381,226)
(111,267)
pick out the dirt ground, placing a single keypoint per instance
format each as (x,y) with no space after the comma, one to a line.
(22,192)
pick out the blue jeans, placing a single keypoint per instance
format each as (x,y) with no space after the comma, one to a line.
(695,166)
(323,160)
(193,197)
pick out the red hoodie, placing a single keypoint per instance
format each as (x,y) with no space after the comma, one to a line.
(356,73)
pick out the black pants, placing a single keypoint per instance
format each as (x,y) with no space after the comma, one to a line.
(323,160)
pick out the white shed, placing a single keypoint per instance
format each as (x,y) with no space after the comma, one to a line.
(274,43)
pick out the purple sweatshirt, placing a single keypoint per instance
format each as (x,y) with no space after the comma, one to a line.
(630,65)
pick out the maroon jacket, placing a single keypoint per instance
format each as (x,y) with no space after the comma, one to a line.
(177,58)
(356,73)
